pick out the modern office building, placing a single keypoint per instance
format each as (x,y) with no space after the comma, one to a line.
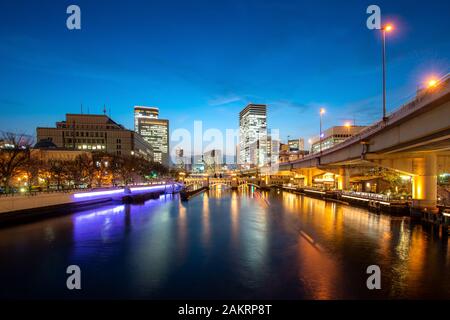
(273,150)
(213,160)
(182,161)
(296,144)
(333,136)
(253,136)
(198,164)
(144,112)
(154,130)
(91,132)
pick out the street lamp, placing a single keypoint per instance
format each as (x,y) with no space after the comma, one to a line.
(384,30)
(348,125)
(432,83)
(322,112)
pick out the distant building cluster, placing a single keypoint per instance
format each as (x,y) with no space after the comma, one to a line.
(99,133)
(257,145)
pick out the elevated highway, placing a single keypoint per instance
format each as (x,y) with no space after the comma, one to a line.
(413,140)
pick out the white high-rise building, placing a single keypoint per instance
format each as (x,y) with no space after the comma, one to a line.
(253,136)
(154,130)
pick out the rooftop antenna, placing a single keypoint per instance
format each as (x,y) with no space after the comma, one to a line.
(81,108)
(110,112)
(104,109)
(88,109)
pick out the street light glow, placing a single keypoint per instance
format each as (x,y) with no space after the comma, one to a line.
(432,83)
(322,111)
(347,124)
(389,28)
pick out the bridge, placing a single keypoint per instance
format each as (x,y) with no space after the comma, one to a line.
(414,140)
(230,182)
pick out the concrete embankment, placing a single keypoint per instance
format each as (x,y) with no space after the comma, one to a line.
(391,207)
(26,208)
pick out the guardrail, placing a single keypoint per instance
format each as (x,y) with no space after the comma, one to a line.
(407,108)
(367,195)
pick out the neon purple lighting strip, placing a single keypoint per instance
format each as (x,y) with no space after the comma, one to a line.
(97,193)
(109,192)
(148,188)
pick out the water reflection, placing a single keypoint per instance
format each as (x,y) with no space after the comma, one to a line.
(225,244)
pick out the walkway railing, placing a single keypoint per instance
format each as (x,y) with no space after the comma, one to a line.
(367,195)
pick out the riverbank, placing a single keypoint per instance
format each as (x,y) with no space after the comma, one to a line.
(29,208)
(394,208)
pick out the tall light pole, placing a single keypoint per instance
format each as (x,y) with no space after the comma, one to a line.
(384,30)
(348,125)
(322,112)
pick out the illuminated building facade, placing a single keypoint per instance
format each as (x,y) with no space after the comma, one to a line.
(154,130)
(213,160)
(253,136)
(90,132)
(334,136)
(296,144)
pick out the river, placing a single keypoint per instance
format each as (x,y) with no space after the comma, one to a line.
(225,245)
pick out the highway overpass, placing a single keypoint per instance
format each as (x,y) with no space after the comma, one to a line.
(413,140)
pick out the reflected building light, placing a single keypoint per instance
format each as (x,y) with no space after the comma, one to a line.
(113,211)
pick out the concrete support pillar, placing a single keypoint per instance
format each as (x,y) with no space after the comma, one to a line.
(308,178)
(424,184)
(344,179)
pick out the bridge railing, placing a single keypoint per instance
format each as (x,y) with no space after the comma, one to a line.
(442,88)
(367,195)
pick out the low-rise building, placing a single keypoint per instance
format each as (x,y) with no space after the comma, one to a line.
(88,132)
(45,150)
(333,136)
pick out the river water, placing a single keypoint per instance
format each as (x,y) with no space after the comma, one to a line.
(225,245)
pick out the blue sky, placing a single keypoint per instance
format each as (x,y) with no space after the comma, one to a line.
(205,60)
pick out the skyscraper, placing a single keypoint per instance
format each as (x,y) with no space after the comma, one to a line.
(253,135)
(154,130)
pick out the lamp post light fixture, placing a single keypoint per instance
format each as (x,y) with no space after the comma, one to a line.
(348,125)
(432,83)
(322,112)
(387,28)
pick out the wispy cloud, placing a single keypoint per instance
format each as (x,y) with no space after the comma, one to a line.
(278,106)
(224,100)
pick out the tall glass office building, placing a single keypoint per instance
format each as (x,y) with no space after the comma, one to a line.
(253,136)
(154,130)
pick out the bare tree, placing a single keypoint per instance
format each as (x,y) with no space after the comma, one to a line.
(13,155)
(58,171)
(123,168)
(81,170)
(31,168)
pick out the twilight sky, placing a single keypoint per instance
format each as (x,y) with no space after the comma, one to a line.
(205,60)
